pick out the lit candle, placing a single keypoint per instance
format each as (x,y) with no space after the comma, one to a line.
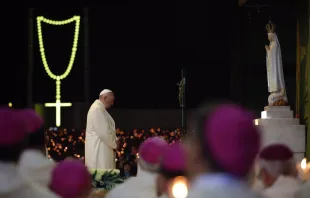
(179,187)
(303,165)
(304,168)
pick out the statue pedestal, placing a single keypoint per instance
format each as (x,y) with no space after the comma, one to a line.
(278,125)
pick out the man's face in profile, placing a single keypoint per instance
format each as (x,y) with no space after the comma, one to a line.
(109,100)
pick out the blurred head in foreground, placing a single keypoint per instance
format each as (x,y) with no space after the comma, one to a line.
(71,179)
(172,167)
(33,162)
(34,126)
(150,154)
(274,161)
(13,135)
(223,140)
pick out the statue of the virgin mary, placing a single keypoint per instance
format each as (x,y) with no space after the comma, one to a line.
(275,76)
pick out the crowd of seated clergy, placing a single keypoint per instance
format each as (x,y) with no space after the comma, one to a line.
(216,160)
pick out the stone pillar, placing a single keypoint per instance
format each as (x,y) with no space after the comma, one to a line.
(307,86)
(303,61)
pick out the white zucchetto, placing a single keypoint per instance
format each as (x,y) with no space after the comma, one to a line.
(105,91)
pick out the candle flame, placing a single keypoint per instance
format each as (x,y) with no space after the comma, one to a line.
(179,188)
(303,164)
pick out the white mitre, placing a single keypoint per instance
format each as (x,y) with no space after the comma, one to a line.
(105,91)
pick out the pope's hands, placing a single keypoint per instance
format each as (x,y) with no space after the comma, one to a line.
(117,143)
(267,47)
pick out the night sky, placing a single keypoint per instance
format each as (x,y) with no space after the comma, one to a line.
(138,51)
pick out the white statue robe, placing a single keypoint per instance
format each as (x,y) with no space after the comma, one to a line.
(275,75)
(100,139)
(211,186)
(36,167)
(141,186)
(14,185)
(284,187)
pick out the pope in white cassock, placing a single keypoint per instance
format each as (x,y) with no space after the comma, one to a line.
(275,76)
(101,139)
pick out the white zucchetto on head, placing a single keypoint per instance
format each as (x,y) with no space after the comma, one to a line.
(105,91)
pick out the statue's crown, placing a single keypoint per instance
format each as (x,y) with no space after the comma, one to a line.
(271,27)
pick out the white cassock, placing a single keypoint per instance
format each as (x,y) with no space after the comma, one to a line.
(284,187)
(213,186)
(141,186)
(36,167)
(100,139)
(13,184)
(304,191)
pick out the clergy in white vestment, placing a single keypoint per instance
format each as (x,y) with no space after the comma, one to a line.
(144,184)
(71,179)
(278,172)
(256,184)
(13,133)
(33,163)
(101,141)
(275,75)
(172,166)
(304,191)
(221,152)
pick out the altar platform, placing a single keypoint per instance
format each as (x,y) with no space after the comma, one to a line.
(278,125)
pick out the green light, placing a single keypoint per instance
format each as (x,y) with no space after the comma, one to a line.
(58,104)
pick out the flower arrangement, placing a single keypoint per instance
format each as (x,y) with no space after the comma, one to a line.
(106,179)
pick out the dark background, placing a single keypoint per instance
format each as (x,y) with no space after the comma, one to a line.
(138,50)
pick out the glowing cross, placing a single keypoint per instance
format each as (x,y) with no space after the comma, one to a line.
(58,104)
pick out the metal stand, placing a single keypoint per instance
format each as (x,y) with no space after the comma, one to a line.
(86,56)
(182,98)
(30,58)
